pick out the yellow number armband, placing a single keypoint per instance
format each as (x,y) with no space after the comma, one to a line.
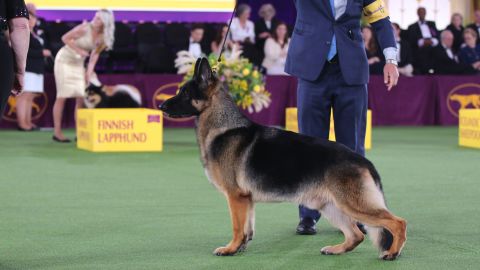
(375,11)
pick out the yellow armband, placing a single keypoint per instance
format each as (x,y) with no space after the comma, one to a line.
(375,11)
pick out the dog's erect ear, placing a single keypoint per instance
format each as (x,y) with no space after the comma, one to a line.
(197,65)
(203,71)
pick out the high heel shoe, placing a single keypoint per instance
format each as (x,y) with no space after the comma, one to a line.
(24,129)
(56,139)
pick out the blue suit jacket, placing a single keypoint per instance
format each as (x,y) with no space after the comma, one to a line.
(313,33)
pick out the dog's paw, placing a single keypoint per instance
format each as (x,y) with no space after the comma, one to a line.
(228,251)
(250,235)
(387,256)
(335,250)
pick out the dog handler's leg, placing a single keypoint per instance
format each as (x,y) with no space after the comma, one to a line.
(239,206)
(353,236)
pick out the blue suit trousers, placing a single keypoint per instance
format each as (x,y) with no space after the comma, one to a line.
(316,99)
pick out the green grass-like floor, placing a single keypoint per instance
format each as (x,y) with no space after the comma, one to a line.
(62,208)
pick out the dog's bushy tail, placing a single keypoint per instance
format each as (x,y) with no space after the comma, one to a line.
(381,237)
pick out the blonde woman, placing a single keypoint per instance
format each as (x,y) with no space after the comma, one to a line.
(86,40)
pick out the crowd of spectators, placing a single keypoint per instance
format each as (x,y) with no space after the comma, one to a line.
(423,49)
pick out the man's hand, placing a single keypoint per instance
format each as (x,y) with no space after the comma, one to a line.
(428,42)
(390,72)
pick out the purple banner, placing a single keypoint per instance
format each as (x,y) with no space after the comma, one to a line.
(416,101)
(160,16)
(410,103)
(456,93)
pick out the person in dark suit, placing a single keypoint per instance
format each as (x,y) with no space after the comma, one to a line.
(328,56)
(423,37)
(445,60)
(14,18)
(476,25)
(40,28)
(456,27)
(470,54)
(405,66)
(265,26)
(194,42)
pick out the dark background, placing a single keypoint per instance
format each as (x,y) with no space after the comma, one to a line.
(285,9)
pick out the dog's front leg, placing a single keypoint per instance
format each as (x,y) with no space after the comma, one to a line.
(239,206)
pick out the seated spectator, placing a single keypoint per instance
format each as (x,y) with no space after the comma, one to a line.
(242,29)
(470,54)
(33,75)
(476,25)
(266,25)
(193,44)
(456,27)
(196,36)
(276,50)
(243,33)
(444,59)
(40,28)
(374,55)
(423,37)
(404,55)
(216,45)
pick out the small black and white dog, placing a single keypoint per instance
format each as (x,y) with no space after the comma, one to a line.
(117,96)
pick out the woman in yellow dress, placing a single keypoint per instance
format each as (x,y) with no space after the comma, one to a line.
(71,77)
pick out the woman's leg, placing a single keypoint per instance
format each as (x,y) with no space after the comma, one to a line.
(57,117)
(22,110)
(31,97)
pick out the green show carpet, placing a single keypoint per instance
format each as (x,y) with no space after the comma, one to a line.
(63,208)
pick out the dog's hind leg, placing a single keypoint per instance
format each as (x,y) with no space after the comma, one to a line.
(250,228)
(353,236)
(368,207)
(239,206)
(396,227)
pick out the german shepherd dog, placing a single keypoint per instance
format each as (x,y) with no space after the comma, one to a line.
(250,163)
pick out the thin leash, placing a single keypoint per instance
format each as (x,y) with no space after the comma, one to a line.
(226,35)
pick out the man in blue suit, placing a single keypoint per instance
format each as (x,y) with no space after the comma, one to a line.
(328,57)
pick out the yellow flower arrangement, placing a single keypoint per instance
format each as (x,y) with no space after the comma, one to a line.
(245,83)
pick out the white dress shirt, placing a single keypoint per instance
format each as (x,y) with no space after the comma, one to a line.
(240,33)
(450,53)
(268,24)
(195,49)
(426,34)
(341,6)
